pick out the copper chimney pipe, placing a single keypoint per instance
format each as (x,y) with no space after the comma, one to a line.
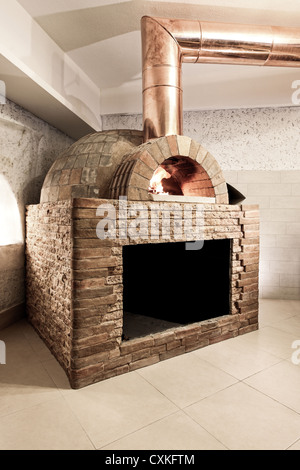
(167,43)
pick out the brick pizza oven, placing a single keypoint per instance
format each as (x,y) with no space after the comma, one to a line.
(106,306)
(139,250)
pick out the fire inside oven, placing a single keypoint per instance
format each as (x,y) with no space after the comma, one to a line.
(181,176)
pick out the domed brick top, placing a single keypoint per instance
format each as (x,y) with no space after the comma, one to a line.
(116,163)
(87,167)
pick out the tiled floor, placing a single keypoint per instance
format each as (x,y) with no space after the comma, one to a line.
(243,393)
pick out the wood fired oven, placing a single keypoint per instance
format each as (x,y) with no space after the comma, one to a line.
(121,276)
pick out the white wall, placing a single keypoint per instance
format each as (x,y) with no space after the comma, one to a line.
(28,147)
(32,53)
(278,194)
(259,152)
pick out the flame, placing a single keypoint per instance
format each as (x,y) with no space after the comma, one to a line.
(156,185)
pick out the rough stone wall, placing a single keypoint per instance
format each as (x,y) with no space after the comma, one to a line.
(48,276)
(28,147)
(261,139)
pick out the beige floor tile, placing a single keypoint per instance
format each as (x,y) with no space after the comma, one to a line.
(186,379)
(16,330)
(271,340)
(116,407)
(280,305)
(37,344)
(24,384)
(295,446)
(244,419)
(177,431)
(281,382)
(238,358)
(21,339)
(58,375)
(290,325)
(48,426)
(17,346)
(38,408)
(272,311)
(296,306)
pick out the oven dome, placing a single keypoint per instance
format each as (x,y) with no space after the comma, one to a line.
(86,168)
(116,163)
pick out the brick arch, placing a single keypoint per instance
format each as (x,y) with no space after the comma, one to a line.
(133,175)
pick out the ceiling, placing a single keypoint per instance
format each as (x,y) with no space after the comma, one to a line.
(103,38)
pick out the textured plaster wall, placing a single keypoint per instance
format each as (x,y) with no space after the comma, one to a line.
(240,139)
(259,152)
(28,147)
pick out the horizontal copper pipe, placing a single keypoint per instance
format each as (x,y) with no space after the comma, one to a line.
(167,43)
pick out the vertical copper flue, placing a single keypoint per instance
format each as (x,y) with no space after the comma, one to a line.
(167,43)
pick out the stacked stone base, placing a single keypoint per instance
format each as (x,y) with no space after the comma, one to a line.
(75,286)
